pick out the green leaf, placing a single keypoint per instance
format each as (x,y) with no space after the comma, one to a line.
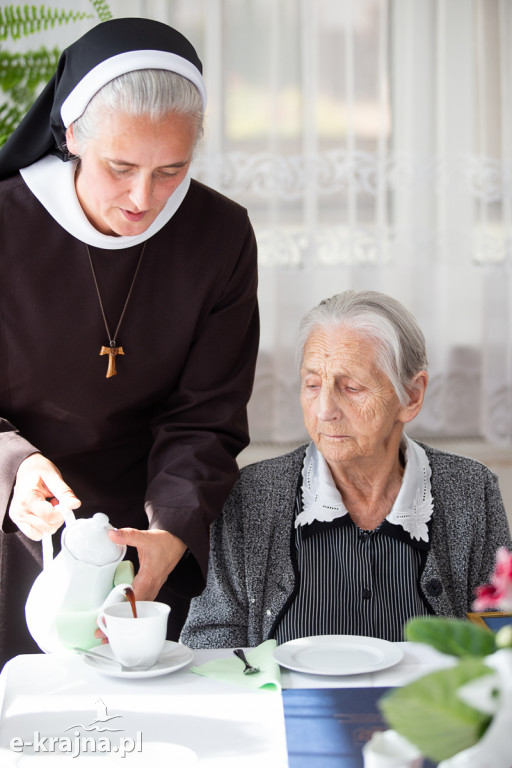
(9,118)
(102,9)
(456,637)
(24,74)
(27,70)
(430,715)
(18,21)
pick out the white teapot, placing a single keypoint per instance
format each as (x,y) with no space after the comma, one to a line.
(73,588)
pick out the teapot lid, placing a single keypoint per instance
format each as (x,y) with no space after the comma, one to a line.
(87,540)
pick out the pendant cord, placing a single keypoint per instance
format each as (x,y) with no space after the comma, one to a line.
(112,339)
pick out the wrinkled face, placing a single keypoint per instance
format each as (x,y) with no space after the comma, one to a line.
(129,170)
(350,407)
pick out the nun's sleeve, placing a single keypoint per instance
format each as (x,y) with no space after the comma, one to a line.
(13,449)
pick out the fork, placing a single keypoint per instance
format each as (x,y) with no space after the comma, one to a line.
(249,670)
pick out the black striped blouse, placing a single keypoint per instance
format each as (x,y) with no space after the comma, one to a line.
(352,582)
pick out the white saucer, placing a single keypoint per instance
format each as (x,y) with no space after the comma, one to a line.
(174,656)
(337,654)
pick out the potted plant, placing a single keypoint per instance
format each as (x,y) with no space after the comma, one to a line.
(23,73)
(459,717)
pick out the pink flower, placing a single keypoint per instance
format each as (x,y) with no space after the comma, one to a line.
(497,594)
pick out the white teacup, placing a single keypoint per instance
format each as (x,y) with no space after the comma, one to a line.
(135,642)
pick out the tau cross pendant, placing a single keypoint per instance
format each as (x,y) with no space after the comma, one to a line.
(111,352)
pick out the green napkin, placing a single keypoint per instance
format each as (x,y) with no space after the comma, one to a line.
(231,668)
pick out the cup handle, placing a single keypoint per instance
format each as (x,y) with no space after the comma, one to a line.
(100,620)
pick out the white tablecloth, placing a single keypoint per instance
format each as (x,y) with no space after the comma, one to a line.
(175,720)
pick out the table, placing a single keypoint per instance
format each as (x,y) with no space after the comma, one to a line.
(175,720)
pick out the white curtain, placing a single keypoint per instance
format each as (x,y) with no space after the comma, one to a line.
(371,141)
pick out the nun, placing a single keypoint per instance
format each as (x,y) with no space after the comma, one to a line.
(128,319)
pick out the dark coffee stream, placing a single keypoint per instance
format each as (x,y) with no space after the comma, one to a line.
(130,594)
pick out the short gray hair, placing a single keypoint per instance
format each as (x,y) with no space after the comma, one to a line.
(152,92)
(400,344)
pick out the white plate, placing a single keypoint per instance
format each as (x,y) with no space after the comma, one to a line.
(337,654)
(174,656)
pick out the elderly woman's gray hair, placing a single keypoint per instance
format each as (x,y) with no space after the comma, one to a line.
(151,92)
(399,342)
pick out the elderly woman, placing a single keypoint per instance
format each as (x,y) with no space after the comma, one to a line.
(363,528)
(128,318)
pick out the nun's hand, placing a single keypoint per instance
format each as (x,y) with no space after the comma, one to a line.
(38,492)
(159,553)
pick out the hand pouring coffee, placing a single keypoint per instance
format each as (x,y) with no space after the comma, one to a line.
(75,586)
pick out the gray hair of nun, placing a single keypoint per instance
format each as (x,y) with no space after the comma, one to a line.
(146,92)
(399,342)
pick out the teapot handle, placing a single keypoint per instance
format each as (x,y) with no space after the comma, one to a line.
(68,515)
(47,550)
(69,519)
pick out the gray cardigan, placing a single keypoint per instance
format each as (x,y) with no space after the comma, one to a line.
(251,573)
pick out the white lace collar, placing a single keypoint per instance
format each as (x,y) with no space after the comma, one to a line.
(413,506)
(52,181)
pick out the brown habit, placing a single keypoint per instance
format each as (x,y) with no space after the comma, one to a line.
(157,441)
